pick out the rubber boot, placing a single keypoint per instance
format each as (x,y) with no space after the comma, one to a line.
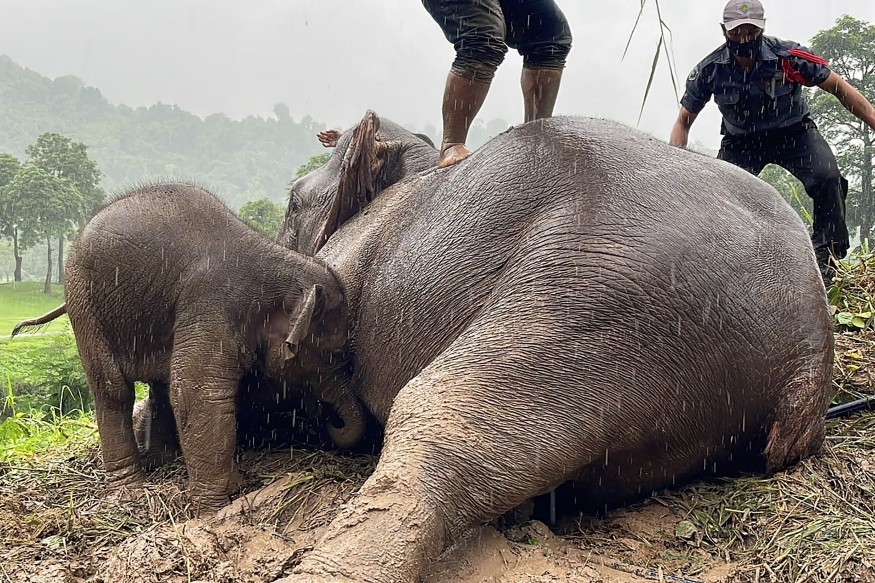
(540,88)
(462,100)
(826,264)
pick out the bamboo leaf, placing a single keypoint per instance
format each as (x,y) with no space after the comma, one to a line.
(631,34)
(650,80)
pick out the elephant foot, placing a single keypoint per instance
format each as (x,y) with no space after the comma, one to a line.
(203,506)
(128,477)
(386,534)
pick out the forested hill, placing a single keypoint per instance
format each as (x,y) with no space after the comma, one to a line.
(240,160)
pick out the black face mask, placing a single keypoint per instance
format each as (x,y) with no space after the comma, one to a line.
(750,49)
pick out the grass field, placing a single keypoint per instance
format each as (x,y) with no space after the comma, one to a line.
(41,371)
(21,301)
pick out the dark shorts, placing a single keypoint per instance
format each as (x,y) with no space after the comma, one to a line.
(803,152)
(482,30)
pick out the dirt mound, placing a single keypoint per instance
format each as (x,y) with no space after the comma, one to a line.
(816,520)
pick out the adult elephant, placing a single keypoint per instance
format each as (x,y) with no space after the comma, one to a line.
(165,285)
(576,301)
(379,154)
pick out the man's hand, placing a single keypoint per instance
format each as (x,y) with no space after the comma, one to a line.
(329,138)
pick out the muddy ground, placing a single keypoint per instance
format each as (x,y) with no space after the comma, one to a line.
(814,522)
(263,534)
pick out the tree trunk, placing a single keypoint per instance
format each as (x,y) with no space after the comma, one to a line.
(867,204)
(16,252)
(61,260)
(47,288)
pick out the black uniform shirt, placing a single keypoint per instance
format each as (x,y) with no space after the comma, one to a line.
(765,98)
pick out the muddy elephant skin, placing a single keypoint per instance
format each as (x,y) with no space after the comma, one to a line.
(166,286)
(575,301)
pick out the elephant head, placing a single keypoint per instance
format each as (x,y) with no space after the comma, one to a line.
(305,337)
(372,156)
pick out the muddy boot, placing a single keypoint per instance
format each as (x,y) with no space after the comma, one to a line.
(826,264)
(462,100)
(540,88)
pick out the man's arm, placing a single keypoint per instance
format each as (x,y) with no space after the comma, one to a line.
(852,99)
(680,133)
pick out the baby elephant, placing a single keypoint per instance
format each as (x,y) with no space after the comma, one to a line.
(166,286)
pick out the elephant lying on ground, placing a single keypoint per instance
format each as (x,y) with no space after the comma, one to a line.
(165,285)
(575,301)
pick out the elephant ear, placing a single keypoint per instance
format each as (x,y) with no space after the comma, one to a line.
(359,181)
(302,320)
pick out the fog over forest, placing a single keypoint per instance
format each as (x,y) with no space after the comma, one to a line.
(333,59)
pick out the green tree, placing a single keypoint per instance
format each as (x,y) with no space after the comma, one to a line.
(262,215)
(48,206)
(849,46)
(791,189)
(63,158)
(312,164)
(9,215)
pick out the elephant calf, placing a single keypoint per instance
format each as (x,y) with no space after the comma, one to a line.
(165,285)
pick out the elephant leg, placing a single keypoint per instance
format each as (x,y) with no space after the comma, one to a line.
(155,428)
(446,466)
(113,408)
(203,389)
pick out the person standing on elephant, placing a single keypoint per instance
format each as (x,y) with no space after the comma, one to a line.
(481,32)
(757,83)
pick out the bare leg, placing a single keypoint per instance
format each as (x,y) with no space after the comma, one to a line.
(462,100)
(540,89)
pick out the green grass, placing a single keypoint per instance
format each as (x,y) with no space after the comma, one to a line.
(29,435)
(39,373)
(22,301)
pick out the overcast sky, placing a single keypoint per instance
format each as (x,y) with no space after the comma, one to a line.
(333,59)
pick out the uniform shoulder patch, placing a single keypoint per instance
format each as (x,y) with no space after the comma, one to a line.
(693,74)
(811,57)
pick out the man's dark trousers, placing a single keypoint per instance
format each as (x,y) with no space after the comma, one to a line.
(802,151)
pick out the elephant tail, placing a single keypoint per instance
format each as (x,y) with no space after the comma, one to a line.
(41,321)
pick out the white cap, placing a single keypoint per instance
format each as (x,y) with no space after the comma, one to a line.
(738,12)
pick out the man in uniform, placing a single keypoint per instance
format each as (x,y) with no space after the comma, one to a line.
(481,31)
(757,83)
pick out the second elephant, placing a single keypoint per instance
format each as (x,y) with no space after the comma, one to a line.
(575,301)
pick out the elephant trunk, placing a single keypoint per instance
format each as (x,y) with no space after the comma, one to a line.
(351,413)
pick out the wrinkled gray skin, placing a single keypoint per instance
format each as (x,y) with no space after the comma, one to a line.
(399,155)
(165,285)
(575,301)
(316,208)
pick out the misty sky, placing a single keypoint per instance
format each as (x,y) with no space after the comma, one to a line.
(333,59)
